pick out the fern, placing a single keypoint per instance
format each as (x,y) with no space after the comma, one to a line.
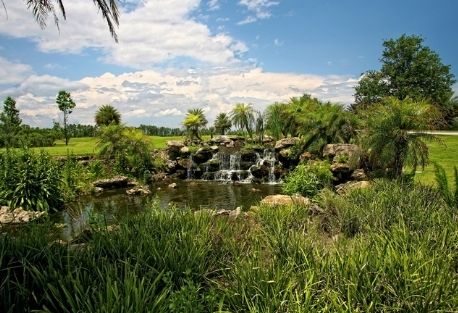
(450,197)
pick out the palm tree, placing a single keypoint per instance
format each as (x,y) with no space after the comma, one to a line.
(107,115)
(194,120)
(41,9)
(243,117)
(394,133)
(222,123)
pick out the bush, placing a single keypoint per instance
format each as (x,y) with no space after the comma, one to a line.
(29,180)
(308,179)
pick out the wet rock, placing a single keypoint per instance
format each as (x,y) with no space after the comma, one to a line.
(352,185)
(185,152)
(98,189)
(359,175)
(286,143)
(214,149)
(202,155)
(211,166)
(259,171)
(111,183)
(173,149)
(282,200)
(171,166)
(158,177)
(138,190)
(287,158)
(248,155)
(18,215)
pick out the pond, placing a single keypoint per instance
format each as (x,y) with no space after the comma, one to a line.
(196,195)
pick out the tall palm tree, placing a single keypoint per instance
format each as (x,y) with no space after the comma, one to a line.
(242,116)
(107,115)
(394,133)
(41,9)
(222,123)
(193,122)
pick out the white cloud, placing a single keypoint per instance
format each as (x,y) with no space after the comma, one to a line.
(152,32)
(12,73)
(261,9)
(161,97)
(213,5)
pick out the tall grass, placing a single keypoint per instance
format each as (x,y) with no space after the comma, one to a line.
(392,248)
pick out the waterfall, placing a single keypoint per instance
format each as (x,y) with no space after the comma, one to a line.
(189,170)
(270,159)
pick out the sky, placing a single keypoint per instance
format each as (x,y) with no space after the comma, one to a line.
(174,55)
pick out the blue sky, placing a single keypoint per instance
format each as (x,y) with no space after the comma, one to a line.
(177,54)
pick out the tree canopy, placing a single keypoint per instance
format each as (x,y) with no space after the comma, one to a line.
(66,104)
(107,115)
(10,122)
(409,69)
(193,122)
(222,123)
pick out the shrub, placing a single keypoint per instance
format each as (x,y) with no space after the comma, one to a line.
(29,180)
(308,179)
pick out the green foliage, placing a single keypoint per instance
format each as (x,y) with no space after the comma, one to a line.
(222,123)
(308,179)
(193,122)
(280,121)
(107,115)
(242,116)
(390,248)
(127,149)
(409,69)
(10,123)
(390,135)
(66,104)
(30,180)
(449,194)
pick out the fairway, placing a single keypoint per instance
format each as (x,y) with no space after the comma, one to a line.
(88,145)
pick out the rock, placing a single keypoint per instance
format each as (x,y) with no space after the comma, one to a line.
(281,200)
(159,176)
(19,215)
(352,185)
(234,214)
(175,144)
(202,155)
(305,156)
(287,158)
(268,139)
(211,166)
(115,182)
(184,163)
(173,185)
(359,175)
(138,190)
(340,168)
(184,151)
(214,149)
(286,143)
(98,189)
(259,171)
(255,190)
(331,150)
(248,155)
(174,148)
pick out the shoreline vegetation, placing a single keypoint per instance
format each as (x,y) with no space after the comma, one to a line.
(392,247)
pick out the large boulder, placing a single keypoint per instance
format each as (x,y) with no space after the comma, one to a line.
(335,149)
(359,175)
(138,190)
(202,155)
(259,171)
(282,200)
(352,185)
(18,215)
(173,149)
(286,143)
(211,165)
(111,183)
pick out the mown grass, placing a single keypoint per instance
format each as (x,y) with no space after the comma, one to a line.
(392,248)
(88,145)
(445,154)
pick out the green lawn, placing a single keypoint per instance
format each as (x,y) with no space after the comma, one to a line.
(445,154)
(88,145)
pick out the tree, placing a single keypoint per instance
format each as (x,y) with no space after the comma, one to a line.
(222,123)
(41,9)
(107,115)
(393,133)
(10,122)
(409,69)
(193,122)
(65,104)
(242,116)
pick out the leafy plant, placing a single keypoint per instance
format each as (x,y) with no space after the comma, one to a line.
(107,115)
(449,193)
(308,179)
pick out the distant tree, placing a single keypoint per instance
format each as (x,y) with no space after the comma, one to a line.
(280,121)
(409,69)
(222,123)
(242,116)
(65,104)
(260,125)
(107,115)
(193,122)
(10,122)
(41,9)
(393,133)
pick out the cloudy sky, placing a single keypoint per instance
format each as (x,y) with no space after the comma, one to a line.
(176,54)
